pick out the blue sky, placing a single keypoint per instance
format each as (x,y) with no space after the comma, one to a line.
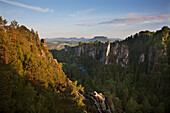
(87,18)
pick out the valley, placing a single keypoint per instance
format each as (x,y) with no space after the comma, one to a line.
(132,72)
(130,75)
(60,43)
(84,56)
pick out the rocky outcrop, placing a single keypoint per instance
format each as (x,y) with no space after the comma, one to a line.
(55,60)
(105,56)
(120,52)
(100,103)
(100,38)
(90,49)
(141,58)
(154,54)
(117,51)
(43,41)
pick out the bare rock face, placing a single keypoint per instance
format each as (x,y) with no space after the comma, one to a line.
(55,60)
(120,52)
(141,58)
(80,49)
(100,103)
(154,54)
(111,53)
(43,41)
(90,49)
(105,56)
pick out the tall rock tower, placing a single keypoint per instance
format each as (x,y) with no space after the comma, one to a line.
(105,57)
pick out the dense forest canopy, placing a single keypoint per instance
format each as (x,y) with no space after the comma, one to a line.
(141,87)
(31,81)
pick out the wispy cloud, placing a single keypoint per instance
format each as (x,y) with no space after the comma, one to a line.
(88,14)
(137,20)
(133,14)
(28,6)
(87,24)
(131,20)
(81,12)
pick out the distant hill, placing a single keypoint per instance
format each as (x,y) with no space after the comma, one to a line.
(66,39)
(59,43)
(99,38)
(104,39)
(134,73)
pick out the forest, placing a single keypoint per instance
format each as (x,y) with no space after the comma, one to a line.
(34,79)
(141,87)
(31,81)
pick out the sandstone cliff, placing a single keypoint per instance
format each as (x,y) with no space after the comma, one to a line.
(100,103)
(108,53)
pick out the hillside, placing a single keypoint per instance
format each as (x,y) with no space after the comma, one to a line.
(60,43)
(134,73)
(31,81)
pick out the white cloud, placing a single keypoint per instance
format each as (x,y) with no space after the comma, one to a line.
(86,24)
(133,14)
(88,14)
(81,12)
(28,6)
(131,21)
(138,19)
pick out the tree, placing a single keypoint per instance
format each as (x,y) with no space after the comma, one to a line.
(80,43)
(146,108)
(91,42)
(96,42)
(131,106)
(14,24)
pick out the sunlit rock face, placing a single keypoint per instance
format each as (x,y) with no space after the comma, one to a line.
(99,103)
(105,56)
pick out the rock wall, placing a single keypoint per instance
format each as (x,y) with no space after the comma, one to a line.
(90,49)
(109,50)
(105,56)
(100,103)
(154,55)
(141,58)
(121,54)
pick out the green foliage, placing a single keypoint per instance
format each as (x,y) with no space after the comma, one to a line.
(131,106)
(139,88)
(30,80)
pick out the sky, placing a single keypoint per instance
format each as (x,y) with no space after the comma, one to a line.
(87,18)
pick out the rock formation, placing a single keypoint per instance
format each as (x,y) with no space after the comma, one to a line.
(105,56)
(141,58)
(43,41)
(154,54)
(100,103)
(121,54)
(109,50)
(100,38)
(55,60)
(90,49)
